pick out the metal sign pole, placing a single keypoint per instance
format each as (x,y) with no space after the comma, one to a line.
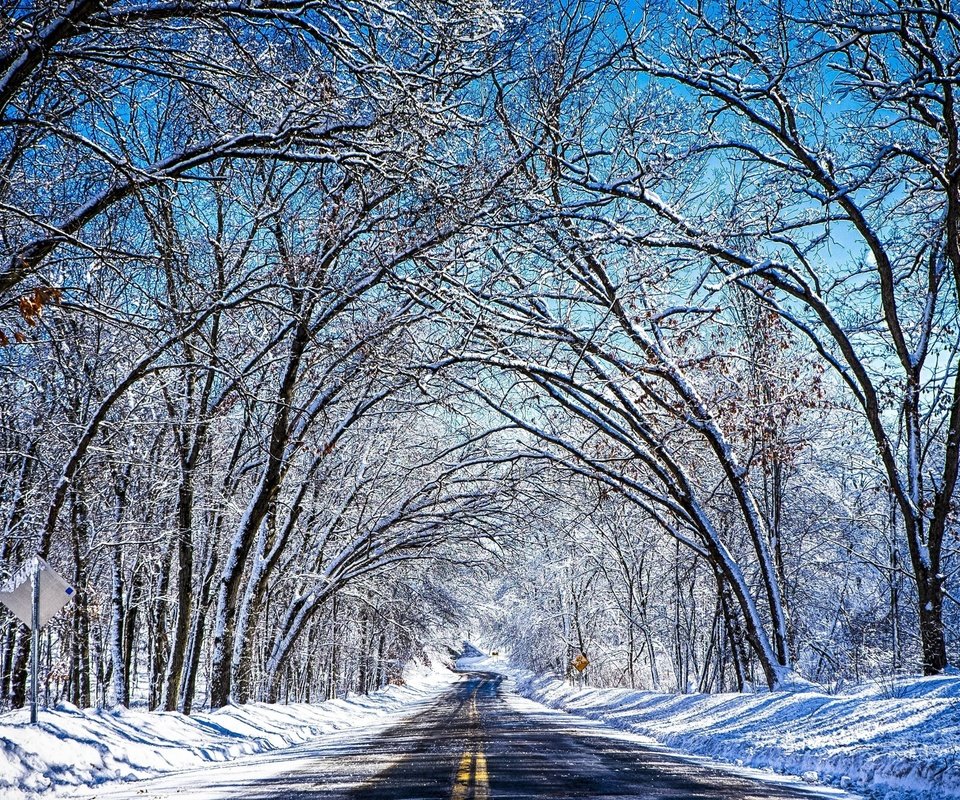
(24,600)
(35,649)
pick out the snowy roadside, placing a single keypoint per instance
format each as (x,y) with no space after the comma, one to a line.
(72,749)
(895,742)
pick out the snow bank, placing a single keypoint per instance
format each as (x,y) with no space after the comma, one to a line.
(72,749)
(896,740)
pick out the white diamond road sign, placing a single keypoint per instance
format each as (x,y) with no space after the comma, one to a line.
(17,593)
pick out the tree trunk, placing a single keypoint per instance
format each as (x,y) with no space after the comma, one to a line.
(80,662)
(119,671)
(195,649)
(181,634)
(932,639)
(222,666)
(18,673)
(131,612)
(160,643)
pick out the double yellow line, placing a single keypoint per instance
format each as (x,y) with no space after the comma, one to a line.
(472,772)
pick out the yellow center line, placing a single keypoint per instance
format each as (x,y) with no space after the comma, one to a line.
(481,788)
(461,787)
(472,771)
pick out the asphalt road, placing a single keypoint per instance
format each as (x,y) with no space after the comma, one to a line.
(478,742)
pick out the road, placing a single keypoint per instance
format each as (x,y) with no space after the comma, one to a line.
(476,742)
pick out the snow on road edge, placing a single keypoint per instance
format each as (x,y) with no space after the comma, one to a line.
(73,749)
(897,742)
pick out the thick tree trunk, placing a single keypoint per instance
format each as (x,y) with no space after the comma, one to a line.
(121,696)
(932,638)
(6,654)
(181,634)
(160,642)
(381,665)
(80,652)
(363,668)
(80,661)
(250,610)
(222,666)
(18,673)
(129,626)
(228,595)
(194,647)
(333,652)
(269,547)
(118,672)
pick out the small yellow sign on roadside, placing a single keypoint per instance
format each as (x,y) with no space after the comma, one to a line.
(580,662)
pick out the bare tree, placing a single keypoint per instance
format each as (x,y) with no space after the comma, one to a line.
(608,337)
(834,132)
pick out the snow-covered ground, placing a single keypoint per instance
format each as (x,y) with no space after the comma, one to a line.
(899,740)
(895,741)
(71,750)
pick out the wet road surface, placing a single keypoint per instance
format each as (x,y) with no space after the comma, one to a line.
(478,742)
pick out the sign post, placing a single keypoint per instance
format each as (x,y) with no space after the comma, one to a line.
(35,650)
(34,595)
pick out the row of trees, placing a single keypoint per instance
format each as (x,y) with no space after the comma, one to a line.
(307,308)
(647,615)
(741,212)
(211,409)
